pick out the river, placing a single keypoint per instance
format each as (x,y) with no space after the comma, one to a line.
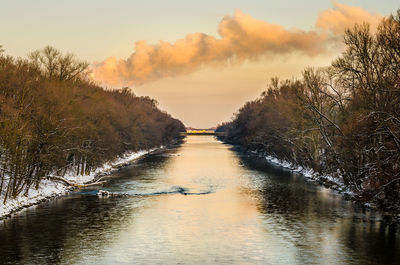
(200,203)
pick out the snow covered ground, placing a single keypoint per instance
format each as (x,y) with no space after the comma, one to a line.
(335,183)
(50,189)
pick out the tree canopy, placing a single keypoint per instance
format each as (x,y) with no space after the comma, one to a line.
(53,120)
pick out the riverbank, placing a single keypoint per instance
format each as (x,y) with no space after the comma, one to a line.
(334,183)
(328,181)
(49,189)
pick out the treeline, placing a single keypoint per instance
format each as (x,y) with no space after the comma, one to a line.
(342,120)
(54,120)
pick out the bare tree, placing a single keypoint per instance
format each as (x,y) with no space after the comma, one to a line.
(57,65)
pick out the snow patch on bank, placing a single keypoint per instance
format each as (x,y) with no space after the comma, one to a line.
(108,167)
(50,189)
(332,182)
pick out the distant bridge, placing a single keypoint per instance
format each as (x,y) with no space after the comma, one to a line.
(202,132)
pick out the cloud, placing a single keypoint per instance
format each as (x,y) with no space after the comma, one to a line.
(241,37)
(342,17)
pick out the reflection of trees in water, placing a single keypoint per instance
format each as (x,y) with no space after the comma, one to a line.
(62,228)
(69,228)
(290,195)
(304,215)
(372,242)
(146,168)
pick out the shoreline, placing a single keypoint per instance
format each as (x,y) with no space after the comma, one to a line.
(50,189)
(328,181)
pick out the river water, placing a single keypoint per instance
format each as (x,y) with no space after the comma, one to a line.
(200,203)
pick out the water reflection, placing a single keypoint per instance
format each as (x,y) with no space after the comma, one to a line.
(324,228)
(195,204)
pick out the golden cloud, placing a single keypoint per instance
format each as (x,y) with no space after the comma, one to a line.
(242,37)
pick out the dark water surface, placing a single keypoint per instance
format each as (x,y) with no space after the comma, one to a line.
(200,203)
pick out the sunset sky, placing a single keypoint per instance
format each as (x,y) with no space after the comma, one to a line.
(200,59)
